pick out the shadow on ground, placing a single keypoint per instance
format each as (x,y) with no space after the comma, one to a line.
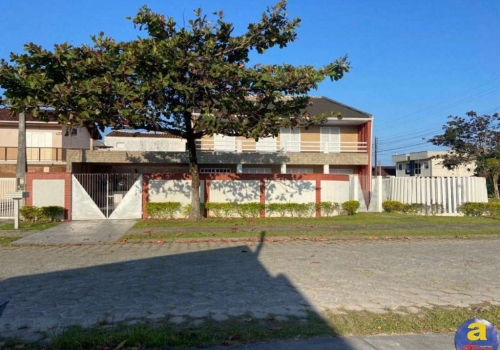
(213,284)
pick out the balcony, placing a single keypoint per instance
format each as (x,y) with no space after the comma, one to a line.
(34,154)
(274,146)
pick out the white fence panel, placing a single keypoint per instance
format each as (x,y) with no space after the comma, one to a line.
(7,185)
(450,192)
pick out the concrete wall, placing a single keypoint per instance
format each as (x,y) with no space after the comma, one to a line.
(335,191)
(82,139)
(48,192)
(237,191)
(173,191)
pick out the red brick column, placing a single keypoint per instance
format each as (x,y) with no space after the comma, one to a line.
(51,176)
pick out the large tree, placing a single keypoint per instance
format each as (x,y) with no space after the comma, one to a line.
(473,139)
(191,81)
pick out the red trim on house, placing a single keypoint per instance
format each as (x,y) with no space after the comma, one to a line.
(365,171)
(51,176)
(207,197)
(318,197)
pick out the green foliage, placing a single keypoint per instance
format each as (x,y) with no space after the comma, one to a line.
(156,81)
(350,207)
(52,213)
(413,208)
(393,206)
(41,214)
(163,210)
(250,210)
(221,210)
(328,209)
(480,209)
(30,213)
(290,209)
(474,209)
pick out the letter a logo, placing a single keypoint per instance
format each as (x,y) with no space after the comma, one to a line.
(476,333)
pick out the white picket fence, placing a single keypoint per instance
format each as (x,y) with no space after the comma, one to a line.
(7,185)
(449,192)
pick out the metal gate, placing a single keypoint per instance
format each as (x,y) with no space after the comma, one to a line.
(106,196)
(7,204)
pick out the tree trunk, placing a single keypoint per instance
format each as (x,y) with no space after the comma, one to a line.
(22,165)
(494,179)
(195,213)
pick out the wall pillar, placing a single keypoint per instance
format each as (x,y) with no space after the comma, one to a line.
(283,168)
(239,168)
(326,169)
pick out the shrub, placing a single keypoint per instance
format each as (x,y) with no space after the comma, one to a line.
(163,210)
(277,208)
(250,210)
(350,207)
(186,210)
(221,210)
(413,208)
(474,209)
(494,208)
(30,213)
(393,206)
(328,209)
(51,213)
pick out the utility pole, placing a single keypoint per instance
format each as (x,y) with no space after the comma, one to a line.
(22,165)
(376,154)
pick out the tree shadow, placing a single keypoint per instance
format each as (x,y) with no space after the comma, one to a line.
(209,283)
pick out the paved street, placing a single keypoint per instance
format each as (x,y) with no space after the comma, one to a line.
(51,286)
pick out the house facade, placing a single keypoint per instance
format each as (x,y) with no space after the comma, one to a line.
(427,164)
(342,145)
(47,144)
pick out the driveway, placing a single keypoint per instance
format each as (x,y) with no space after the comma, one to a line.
(80,232)
(50,286)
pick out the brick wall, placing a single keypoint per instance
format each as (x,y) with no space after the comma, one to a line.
(51,176)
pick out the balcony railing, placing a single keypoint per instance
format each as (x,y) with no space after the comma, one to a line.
(273,146)
(34,154)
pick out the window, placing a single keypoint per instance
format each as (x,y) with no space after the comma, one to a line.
(214,170)
(290,140)
(418,168)
(330,139)
(74,132)
(341,171)
(400,166)
(299,170)
(426,165)
(257,171)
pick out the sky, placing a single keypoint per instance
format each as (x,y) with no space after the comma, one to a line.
(414,63)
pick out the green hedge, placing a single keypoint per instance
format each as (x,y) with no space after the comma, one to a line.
(164,210)
(51,213)
(413,208)
(480,209)
(350,207)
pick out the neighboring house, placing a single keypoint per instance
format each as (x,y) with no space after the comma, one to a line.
(46,144)
(427,163)
(384,170)
(342,145)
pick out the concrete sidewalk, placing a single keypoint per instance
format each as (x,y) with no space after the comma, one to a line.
(83,232)
(381,342)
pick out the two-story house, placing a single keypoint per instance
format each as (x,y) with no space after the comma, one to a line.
(46,144)
(341,145)
(427,164)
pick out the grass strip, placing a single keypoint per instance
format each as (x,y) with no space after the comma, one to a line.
(246,329)
(29,226)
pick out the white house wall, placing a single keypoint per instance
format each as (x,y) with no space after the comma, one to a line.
(334,191)
(239,191)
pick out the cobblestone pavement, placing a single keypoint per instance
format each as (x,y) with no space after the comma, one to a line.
(54,286)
